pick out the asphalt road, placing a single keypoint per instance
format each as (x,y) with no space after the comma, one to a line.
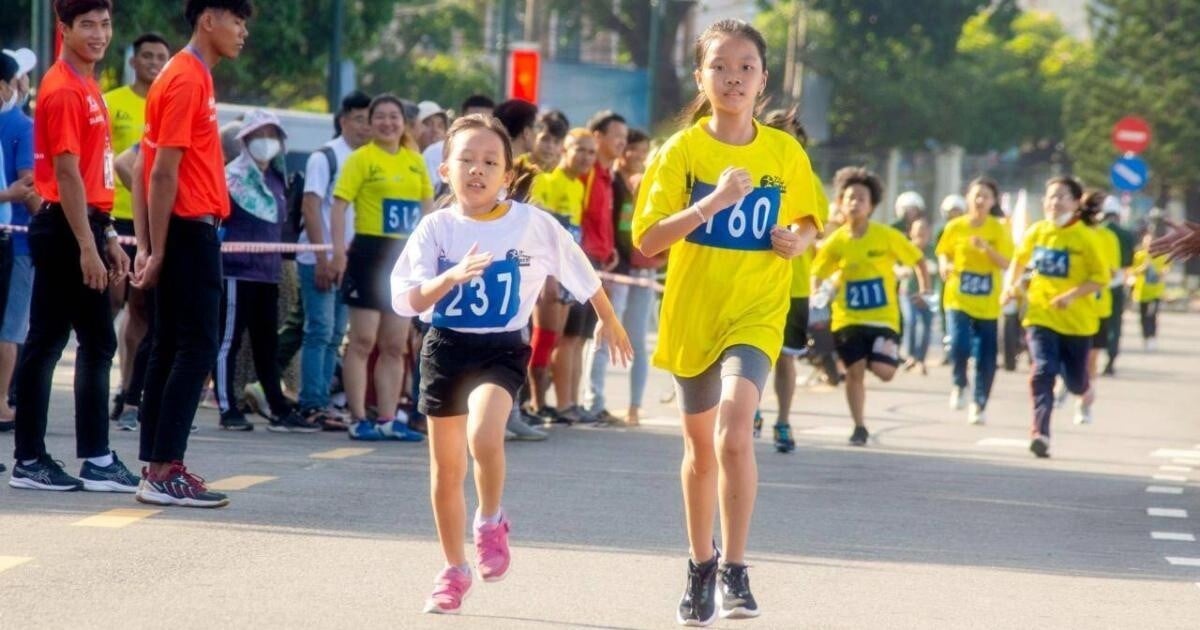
(936,524)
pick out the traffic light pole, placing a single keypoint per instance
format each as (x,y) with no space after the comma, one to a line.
(502,49)
(334,94)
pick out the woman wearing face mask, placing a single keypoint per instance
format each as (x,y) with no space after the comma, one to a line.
(1061,318)
(257,188)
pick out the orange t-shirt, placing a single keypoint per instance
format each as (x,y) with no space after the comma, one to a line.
(71,118)
(181,113)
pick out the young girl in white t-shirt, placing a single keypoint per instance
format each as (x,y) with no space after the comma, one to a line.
(473,271)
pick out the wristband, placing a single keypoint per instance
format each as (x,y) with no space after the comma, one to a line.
(110,233)
(699,213)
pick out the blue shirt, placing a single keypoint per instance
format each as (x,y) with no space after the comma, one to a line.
(16,143)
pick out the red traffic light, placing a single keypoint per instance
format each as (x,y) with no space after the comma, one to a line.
(524,74)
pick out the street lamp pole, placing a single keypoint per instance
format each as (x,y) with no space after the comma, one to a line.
(652,58)
(502,48)
(334,93)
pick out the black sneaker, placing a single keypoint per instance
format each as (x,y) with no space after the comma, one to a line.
(234,420)
(44,474)
(698,606)
(737,602)
(783,438)
(293,422)
(859,437)
(180,487)
(1040,446)
(112,478)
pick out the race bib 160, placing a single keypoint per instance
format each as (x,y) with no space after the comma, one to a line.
(745,225)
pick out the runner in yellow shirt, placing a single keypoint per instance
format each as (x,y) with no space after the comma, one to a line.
(1148,279)
(127,115)
(1110,252)
(390,188)
(859,259)
(1060,319)
(733,201)
(974,251)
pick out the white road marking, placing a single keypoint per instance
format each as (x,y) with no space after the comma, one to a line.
(1177,478)
(1166,512)
(1175,536)
(1003,442)
(1175,468)
(1171,452)
(1164,489)
(1186,461)
(341,453)
(1184,562)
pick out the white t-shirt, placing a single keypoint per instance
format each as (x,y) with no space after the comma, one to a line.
(433,159)
(317,181)
(528,244)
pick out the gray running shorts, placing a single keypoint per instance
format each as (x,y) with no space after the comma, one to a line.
(702,392)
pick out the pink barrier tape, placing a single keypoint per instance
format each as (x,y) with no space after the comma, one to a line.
(244,247)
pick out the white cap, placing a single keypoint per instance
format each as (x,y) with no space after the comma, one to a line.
(909,199)
(1112,205)
(425,109)
(26,60)
(953,202)
(256,119)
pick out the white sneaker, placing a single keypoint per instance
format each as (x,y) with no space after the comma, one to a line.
(1152,345)
(1083,413)
(977,415)
(958,399)
(1060,395)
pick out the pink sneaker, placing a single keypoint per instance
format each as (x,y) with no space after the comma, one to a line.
(450,588)
(491,550)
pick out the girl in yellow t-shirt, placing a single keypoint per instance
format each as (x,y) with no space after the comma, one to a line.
(1060,319)
(1148,279)
(388,185)
(974,251)
(859,259)
(733,201)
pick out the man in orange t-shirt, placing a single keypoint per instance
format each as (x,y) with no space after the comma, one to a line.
(75,257)
(180,198)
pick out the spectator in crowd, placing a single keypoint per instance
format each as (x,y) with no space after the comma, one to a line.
(432,154)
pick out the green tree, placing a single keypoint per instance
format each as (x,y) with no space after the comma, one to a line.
(1145,63)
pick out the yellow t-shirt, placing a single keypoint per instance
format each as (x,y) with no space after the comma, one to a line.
(1150,277)
(1110,251)
(127,115)
(725,286)
(1062,258)
(802,264)
(867,285)
(562,196)
(975,284)
(539,191)
(386,189)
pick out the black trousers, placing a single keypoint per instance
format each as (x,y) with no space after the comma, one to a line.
(1149,313)
(250,306)
(187,301)
(61,303)
(141,359)
(1114,332)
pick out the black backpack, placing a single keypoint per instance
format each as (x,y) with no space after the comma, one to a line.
(294,226)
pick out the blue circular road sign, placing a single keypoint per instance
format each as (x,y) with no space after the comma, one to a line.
(1130,173)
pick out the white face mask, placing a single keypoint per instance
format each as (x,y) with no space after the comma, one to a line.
(1063,219)
(9,104)
(264,149)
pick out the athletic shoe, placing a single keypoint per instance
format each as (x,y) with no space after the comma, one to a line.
(737,602)
(1083,413)
(195,427)
(603,418)
(128,420)
(783,438)
(180,487)
(573,415)
(398,431)
(1040,446)
(118,406)
(859,437)
(365,430)
(492,557)
(209,399)
(3,468)
(531,418)
(1152,345)
(7,425)
(293,422)
(977,415)
(1109,370)
(958,398)
(233,420)
(255,399)
(509,436)
(549,416)
(450,588)
(758,423)
(522,432)
(44,474)
(112,478)
(698,606)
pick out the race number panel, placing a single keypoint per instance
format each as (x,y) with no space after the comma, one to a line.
(400,216)
(745,225)
(865,295)
(977,284)
(1055,263)
(489,301)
